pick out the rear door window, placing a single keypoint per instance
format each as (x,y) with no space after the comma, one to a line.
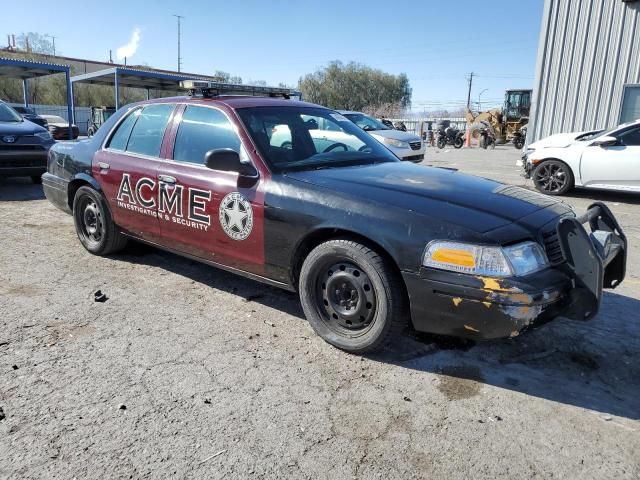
(120,138)
(148,130)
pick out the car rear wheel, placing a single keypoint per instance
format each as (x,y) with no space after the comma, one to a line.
(94,226)
(553,177)
(351,296)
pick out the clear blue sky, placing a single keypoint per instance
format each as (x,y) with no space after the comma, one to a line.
(436,43)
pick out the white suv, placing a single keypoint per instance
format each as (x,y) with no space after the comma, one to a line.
(405,145)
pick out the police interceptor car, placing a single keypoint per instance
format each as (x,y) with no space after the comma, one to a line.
(371,244)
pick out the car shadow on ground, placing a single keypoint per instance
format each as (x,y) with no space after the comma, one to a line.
(590,365)
(19,189)
(249,290)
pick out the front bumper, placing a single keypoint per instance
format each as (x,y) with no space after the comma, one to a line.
(409,154)
(485,308)
(23,161)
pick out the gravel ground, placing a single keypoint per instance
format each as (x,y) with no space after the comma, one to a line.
(190,372)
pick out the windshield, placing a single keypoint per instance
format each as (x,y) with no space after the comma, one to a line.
(603,133)
(365,122)
(292,138)
(8,114)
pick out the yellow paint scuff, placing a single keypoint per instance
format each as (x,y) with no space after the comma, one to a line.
(456,301)
(469,327)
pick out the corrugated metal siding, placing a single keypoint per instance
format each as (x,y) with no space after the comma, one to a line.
(588,51)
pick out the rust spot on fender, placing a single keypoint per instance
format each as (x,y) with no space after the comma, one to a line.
(456,301)
(492,284)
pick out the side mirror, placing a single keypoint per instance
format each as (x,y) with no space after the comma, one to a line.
(228,160)
(605,141)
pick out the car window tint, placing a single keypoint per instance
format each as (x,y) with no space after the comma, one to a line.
(120,138)
(203,129)
(631,138)
(147,133)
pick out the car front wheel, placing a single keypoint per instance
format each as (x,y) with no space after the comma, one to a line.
(351,296)
(553,177)
(94,226)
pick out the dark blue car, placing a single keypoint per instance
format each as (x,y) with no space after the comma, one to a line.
(23,146)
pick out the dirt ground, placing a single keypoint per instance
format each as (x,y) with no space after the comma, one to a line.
(190,372)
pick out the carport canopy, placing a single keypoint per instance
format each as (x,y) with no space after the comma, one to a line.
(135,78)
(26,69)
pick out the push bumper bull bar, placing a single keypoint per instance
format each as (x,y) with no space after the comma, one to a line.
(594,260)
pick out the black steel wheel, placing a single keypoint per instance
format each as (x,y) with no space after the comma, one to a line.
(351,296)
(94,226)
(553,177)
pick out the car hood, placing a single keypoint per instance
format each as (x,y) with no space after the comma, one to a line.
(395,134)
(560,140)
(20,128)
(473,202)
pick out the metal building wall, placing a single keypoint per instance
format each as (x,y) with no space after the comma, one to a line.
(588,51)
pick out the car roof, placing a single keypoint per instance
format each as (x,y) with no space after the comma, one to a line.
(235,101)
(350,112)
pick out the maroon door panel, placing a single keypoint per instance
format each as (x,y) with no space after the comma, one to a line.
(211,214)
(130,186)
(193,218)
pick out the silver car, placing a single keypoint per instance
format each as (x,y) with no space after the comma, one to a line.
(405,145)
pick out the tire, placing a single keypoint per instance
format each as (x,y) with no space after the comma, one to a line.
(90,132)
(36,179)
(553,177)
(94,226)
(483,142)
(458,143)
(352,296)
(519,143)
(441,143)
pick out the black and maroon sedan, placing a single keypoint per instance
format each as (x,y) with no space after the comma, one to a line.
(295,195)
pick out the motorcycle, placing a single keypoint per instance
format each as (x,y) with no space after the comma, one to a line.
(519,138)
(487,138)
(450,136)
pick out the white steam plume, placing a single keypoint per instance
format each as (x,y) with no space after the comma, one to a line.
(130,48)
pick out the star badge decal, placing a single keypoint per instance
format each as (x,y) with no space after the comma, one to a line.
(236,216)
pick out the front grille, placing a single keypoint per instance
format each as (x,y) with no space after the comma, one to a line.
(552,246)
(414,157)
(415,145)
(23,162)
(21,148)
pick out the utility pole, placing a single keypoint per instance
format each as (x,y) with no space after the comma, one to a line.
(52,37)
(469,94)
(179,17)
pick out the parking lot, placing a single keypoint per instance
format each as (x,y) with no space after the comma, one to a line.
(191,372)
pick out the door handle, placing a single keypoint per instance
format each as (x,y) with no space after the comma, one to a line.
(167,179)
(104,166)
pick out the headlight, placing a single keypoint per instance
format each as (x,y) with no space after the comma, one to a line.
(396,143)
(44,135)
(516,260)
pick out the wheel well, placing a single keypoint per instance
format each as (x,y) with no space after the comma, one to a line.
(73,187)
(314,239)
